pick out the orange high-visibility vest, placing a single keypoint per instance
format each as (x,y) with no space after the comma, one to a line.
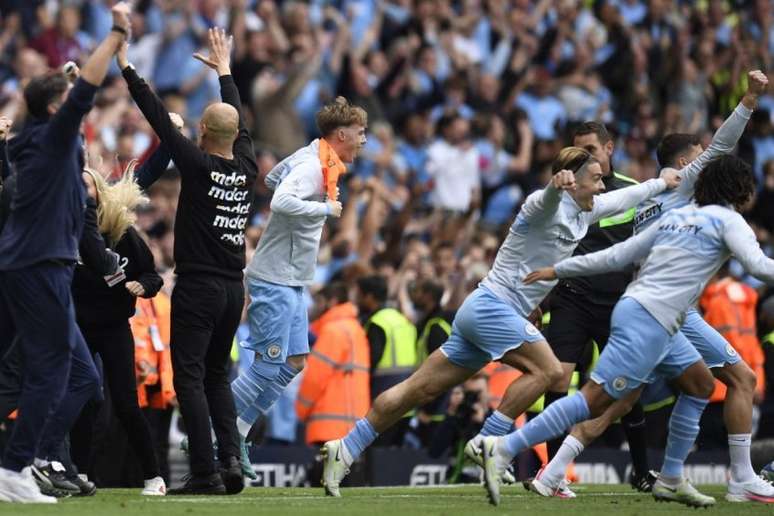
(335,390)
(729,307)
(151,316)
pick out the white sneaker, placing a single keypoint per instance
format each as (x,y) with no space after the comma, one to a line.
(495,463)
(564,490)
(335,466)
(155,487)
(684,493)
(21,488)
(756,490)
(473,452)
(543,488)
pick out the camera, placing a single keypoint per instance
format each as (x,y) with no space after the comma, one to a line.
(466,407)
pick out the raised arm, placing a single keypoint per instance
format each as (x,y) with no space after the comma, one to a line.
(153,167)
(740,239)
(610,203)
(728,134)
(544,203)
(65,125)
(185,153)
(156,164)
(220,61)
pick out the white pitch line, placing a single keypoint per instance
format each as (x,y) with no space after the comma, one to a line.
(248,499)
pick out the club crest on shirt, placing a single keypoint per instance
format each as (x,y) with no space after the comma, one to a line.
(730,350)
(619,383)
(273,351)
(531,329)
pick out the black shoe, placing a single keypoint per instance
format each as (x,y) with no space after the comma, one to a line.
(231,473)
(643,483)
(200,485)
(87,487)
(52,480)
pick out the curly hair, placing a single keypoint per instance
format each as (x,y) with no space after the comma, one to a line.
(727,180)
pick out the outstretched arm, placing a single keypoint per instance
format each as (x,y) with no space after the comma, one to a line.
(728,134)
(610,203)
(740,239)
(63,129)
(613,258)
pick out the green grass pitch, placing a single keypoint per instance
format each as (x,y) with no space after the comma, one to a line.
(444,501)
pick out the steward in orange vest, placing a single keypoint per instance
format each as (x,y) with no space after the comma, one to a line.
(729,307)
(153,362)
(335,390)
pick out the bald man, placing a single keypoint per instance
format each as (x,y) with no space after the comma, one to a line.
(217,188)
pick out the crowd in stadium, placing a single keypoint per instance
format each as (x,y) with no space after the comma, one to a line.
(468,104)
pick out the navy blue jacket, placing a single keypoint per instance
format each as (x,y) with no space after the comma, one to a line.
(47,207)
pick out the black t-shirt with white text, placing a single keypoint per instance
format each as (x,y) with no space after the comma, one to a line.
(215,194)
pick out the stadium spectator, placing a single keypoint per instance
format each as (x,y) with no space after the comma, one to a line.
(334,391)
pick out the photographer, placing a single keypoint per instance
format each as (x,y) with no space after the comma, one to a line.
(468,408)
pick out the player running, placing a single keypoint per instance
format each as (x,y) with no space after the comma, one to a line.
(492,323)
(680,254)
(305,195)
(684,151)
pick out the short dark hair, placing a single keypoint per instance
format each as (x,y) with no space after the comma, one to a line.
(42,91)
(432,287)
(443,244)
(335,291)
(374,285)
(592,127)
(726,180)
(672,145)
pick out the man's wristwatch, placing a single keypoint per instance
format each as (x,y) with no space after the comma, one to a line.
(116,28)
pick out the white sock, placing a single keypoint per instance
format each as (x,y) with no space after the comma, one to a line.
(345,454)
(669,481)
(243,427)
(555,470)
(739,451)
(40,463)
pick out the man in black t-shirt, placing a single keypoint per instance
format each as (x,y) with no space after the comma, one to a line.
(217,189)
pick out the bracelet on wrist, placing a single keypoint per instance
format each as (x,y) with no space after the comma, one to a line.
(121,30)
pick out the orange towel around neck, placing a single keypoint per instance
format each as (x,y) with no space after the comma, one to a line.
(332,168)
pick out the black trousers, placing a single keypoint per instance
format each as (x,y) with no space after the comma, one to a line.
(37,307)
(574,323)
(115,346)
(206,311)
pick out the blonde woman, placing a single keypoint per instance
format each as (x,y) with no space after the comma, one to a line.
(103,306)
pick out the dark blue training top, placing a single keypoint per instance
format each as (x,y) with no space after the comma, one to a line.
(47,207)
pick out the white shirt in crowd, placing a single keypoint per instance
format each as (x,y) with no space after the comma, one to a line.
(455,173)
